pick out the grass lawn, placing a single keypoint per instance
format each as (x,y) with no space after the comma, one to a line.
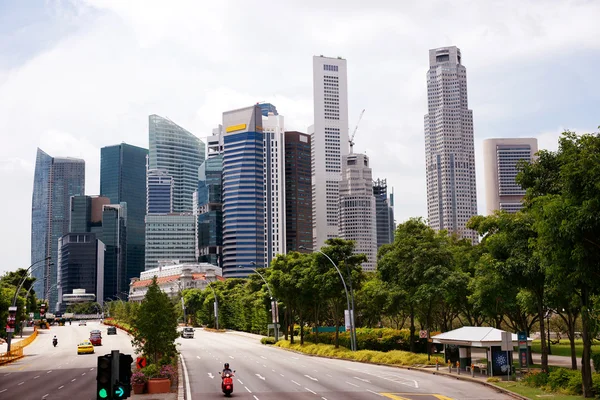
(535,393)
(564,347)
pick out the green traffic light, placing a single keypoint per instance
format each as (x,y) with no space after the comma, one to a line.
(119,391)
(102,393)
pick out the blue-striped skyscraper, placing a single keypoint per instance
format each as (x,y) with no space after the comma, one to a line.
(243,191)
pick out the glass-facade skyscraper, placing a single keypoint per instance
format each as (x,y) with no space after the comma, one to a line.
(123,180)
(159,192)
(180,154)
(55,181)
(210,211)
(243,191)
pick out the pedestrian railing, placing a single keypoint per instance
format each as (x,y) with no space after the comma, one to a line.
(16,349)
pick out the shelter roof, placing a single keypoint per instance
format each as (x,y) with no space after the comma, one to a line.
(475,336)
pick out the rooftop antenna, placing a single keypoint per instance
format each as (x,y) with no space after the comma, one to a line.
(351,140)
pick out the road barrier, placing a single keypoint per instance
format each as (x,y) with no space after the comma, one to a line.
(16,349)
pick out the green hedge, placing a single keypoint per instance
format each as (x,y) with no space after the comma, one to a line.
(560,380)
(380,339)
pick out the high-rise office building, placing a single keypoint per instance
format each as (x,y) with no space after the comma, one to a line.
(500,159)
(209,211)
(55,181)
(357,208)
(159,190)
(449,148)
(329,144)
(86,214)
(80,265)
(180,153)
(274,177)
(170,237)
(243,191)
(115,238)
(123,180)
(384,213)
(298,192)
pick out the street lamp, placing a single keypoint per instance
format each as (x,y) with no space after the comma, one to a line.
(274,309)
(350,311)
(216,303)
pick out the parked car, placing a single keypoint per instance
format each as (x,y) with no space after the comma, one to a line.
(85,347)
(187,332)
(111,330)
(96,337)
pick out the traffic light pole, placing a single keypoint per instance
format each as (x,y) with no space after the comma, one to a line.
(114,371)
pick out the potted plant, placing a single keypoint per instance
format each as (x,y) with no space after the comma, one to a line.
(168,371)
(138,382)
(156,382)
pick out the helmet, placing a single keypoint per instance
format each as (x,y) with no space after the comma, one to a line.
(226,365)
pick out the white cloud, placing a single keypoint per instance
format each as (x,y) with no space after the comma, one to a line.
(120,61)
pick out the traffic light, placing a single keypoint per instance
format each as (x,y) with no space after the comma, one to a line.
(104,384)
(12,319)
(123,387)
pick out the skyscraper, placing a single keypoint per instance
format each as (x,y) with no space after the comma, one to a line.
(449,148)
(123,180)
(500,158)
(298,193)
(115,237)
(209,212)
(357,208)
(384,213)
(159,192)
(243,191)
(170,237)
(180,153)
(274,176)
(329,144)
(55,181)
(86,214)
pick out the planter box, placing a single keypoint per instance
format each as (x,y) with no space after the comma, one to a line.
(159,385)
(138,388)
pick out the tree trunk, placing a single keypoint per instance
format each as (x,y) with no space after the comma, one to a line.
(543,341)
(286,323)
(316,324)
(586,371)
(291,322)
(412,331)
(301,328)
(572,343)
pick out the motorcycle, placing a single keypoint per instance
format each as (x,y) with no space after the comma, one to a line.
(227,383)
(54,342)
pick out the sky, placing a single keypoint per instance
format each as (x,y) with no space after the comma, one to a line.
(79,75)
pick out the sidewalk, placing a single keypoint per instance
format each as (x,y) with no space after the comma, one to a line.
(26,332)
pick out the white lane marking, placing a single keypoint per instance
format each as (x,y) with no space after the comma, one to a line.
(263,357)
(396,378)
(210,375)
(264,366)
(311,378)
(21,383)
(60,387)
(232,357)
(361,379)
(295,358)
(256,397)
(83,374)
(260,376)
(35,377)
(329,375)
(310,390)
(350,383)
(46,395)
(188,389)
(380,395)
(273,370)
(247,389)
(3,390)
(296,383)
(73,380)
(241,383)
(281,374)
(198,357)
(49,371)
(91,369)
(324,398)
(7,374)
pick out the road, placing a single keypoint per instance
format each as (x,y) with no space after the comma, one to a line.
(50,373)
(269,373)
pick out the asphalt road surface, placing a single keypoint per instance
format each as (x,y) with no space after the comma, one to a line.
(50,373)
(268,373)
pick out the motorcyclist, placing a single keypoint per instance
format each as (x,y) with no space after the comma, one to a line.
(55,340)
(226,370)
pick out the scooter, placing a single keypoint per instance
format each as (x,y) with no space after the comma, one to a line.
(227,383)
(54,342)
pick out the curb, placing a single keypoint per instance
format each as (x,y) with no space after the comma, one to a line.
(419,369)
(180,390)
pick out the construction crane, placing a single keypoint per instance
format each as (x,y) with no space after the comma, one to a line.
(351,140)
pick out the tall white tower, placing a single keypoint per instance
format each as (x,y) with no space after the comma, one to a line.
(329,143)
(274,139)
(449,147)
(357,208)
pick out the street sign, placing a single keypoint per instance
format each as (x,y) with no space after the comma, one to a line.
(423,334)
(507,341)
(272,326)
(9,329)
(522,336)
(140,362)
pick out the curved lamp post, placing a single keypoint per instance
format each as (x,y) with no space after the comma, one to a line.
(350,311)
(274,309)
(216,304)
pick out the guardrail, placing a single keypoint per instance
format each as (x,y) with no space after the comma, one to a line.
(16,349)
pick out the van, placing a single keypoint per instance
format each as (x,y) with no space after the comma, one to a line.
(187,332)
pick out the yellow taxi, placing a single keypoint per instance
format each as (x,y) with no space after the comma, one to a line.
(85,347)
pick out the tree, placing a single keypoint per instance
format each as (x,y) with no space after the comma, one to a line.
(563,194)
(155,325)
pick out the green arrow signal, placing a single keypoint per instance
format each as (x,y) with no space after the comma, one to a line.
(102,393)
(119,391)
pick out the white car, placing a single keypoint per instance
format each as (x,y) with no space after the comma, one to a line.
(187,332)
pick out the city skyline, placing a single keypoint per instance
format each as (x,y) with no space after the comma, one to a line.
(530,75)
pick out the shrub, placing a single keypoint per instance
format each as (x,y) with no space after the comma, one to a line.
(138,377)
(559,378)
(167,371)
(596,361)
(536,379)
(493,380)
(151,371)
(267,340)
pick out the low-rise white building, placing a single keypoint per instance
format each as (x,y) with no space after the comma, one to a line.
(174,277)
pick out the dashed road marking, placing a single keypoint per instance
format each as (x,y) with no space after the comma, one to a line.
(49,371)
(296,383)
(35,377)
(21,383)
(352,384)
(248,389)
(73,380)
(46,395)
(60,387)
(310,390)
(3,390)
(378,394)
(241,383)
